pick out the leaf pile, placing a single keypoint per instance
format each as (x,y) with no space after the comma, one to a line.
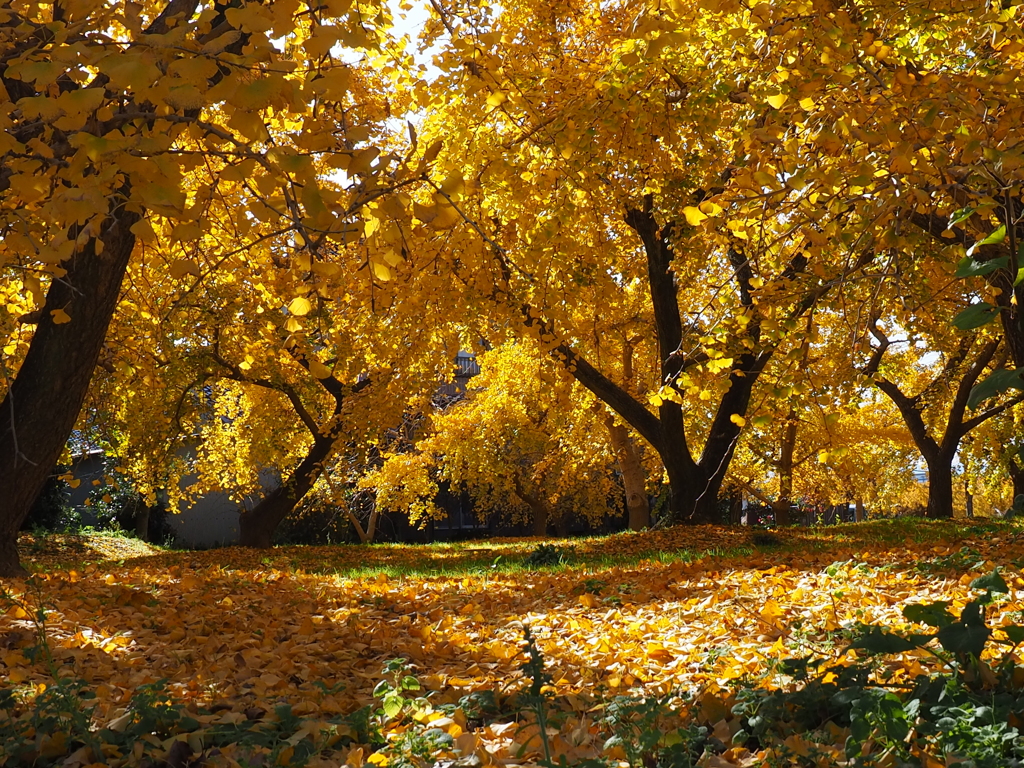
(261,656)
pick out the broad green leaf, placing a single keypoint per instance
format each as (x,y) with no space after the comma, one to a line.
(964,638)
(879,641)
(996,384)
(975,316)
(932,614)
(997,236)
(969,267)
(993,582)
(1015,633)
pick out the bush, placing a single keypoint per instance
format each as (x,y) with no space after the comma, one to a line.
(52,510)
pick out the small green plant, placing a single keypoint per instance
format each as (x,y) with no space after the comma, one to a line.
(546,555)
(592,586)
(393,692)
(535,698)
(963,714)
(650,733)
(765,539)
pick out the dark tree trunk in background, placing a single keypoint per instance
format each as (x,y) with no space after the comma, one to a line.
(256,526)
(938,453)
(634,479)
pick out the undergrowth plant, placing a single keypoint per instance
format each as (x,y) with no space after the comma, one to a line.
(963,715)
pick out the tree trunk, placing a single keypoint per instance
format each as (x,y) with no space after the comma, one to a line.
(43,403)
(784,467)
(940,488)
(858,511)
(540,518)
(694,494)
(142,521)
(736,509)
(634,479)
(256,526)
(1016,475)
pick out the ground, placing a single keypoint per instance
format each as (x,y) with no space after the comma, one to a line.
(244,657)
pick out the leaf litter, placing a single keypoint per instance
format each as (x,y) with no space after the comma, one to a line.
(283,639)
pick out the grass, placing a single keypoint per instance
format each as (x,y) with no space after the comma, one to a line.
(508,557)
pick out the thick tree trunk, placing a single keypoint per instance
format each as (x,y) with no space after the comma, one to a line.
(694,494)
(858,511)
(540,518)
(940,488)
(634,479)
(43,403)
(256,526)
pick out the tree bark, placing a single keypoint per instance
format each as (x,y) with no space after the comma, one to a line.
(784,467)
(256,526)
(538,509)
(634,479)
(1016,472)
(45,398)
(540,518)
(142,521)
(940,488)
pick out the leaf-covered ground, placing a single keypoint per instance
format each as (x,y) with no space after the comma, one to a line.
(263,657)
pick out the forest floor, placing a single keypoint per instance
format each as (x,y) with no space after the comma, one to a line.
(683,647)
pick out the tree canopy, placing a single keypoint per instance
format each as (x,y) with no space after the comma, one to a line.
(736,227)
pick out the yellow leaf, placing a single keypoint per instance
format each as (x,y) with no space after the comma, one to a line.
(778,100)
(320,371)
(326,269)
(382,271)
(181,267)
(454,185)
(738,420)
(300,306)
(143,230)
(694,216)
(60,317)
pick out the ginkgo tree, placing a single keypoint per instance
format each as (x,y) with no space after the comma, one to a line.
(604,152)
(122,120)
(526,443)
(912,114)
(252,381)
